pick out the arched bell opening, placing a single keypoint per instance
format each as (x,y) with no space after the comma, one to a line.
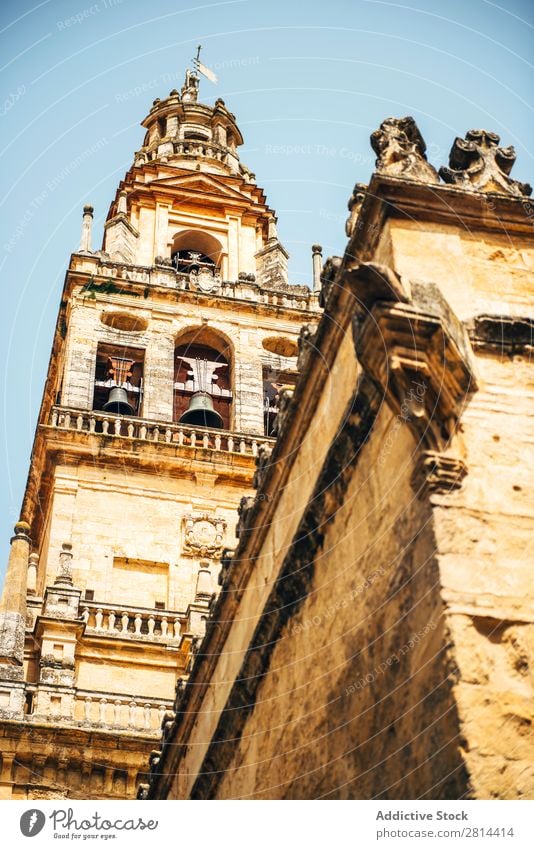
(118,384)
(193,250)
(202,380)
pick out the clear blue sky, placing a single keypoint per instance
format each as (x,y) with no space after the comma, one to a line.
(308,82)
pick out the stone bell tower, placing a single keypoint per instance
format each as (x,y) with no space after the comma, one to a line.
(173,345)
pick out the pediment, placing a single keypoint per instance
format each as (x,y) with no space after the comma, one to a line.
(203,184)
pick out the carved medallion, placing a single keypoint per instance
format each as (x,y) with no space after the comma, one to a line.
(203,535)
(205,280)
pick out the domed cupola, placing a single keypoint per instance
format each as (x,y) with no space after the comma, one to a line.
(181,131)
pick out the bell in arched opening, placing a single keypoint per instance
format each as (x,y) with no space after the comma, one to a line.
(201,413)
(118,402)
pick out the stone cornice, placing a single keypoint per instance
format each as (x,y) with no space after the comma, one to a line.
(414,201)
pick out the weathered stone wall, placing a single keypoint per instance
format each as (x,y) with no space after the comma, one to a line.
(356,703)
(484,534)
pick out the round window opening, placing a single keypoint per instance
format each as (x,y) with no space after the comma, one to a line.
(281,346)
(124,321)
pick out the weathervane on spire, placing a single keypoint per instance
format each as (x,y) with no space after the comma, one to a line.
(202,69)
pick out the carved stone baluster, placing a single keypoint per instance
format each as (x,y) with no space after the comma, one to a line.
(54,418)
(33,564)
(146,712)
(99,615)
(176,628)
(218,442)
(111,620)
(180,437)
(242,446)
(92,424)
(206,441)
(151,624)
(254,448)
(117,426)
(85,615)
(130,430)
(102,711)
(132,705)
(87,708)
(105,426)
(66,421)
(124,622)
(142,431)
(164,626)
(155,434)
(230,443)
(117,712)
(79,422)
(168,435)
(193,439)
(138,621)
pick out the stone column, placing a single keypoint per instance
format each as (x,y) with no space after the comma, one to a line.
(13,601)
(317,261)
(12,625)
(87,227)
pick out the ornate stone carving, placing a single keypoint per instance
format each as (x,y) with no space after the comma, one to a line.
(400,150)
(478,164)
(244,510)
(306,345)
(355,204)
(419,355)
(284,411)
(205,280)
(203,535)
(436,472)
(263,460)
(371,282)
(226,564)
(328,278)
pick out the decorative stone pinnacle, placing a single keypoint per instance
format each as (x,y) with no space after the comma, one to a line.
(478,164)
(317,249)
(400,150)
(64,572)
(87,226)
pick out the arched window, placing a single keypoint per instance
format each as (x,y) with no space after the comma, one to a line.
(202,363)
(194,249)
(119,367)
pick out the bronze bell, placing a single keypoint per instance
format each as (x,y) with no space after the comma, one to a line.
(200,412)
(118,402)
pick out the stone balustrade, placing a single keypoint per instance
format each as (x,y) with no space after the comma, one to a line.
(106,711)
(132,623)
(292,297)
(166,433)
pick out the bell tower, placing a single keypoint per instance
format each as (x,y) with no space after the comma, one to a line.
(173,344)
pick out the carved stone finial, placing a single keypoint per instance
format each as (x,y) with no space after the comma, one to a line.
(478,164)
(64,572)
(400,150)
